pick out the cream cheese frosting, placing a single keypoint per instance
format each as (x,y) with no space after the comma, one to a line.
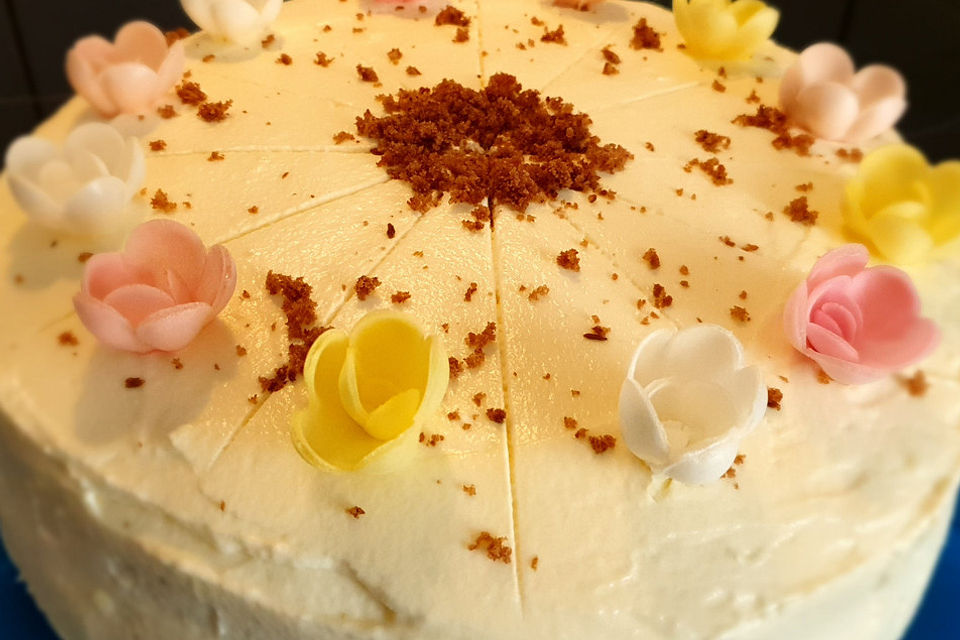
(182,509)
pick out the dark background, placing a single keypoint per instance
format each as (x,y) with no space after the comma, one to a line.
(919,37)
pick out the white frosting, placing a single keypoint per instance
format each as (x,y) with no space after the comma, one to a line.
(180,509)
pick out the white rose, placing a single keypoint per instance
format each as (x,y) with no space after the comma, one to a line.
(83,187)
(239,21)
(688,401)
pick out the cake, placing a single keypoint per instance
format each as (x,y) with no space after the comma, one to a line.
(160,494)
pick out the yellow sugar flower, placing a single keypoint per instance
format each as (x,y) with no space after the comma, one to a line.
(368,390)
(901,205)
(724,29)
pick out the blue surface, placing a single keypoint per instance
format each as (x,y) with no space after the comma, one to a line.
(938,618)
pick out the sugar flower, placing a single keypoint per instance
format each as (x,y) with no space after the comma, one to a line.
(724,29)
(129,75)
(239,21)
(859,324)
(822,93)
(901,206)
(688,401)
(83,187)
(369,390)
(159,292)
(583,5)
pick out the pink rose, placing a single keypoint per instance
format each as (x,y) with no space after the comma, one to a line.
(822,93)
(159,292)
(858,324)
(129,75)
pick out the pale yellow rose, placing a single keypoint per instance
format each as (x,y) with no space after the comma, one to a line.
(903,207)
(369,389)
(724,29)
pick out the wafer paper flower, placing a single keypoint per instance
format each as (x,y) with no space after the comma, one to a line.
(901,205)
(583,5)
(688,401)
(239,21)
(822,93)
(724,29)
(369,390)
(858,324)
(159,292)
(129,75)
(83,187)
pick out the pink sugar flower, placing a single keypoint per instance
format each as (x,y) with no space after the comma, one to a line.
(859,324)
(159,292)
(129,75)
(823,93)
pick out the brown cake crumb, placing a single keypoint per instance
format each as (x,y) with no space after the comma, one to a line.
(569,423)
(431,441)
(367,74)
(610,69)
(718,86)
(462,35)
(400,297)
(453,16)
(208,58)
(711,142)
(301,317)
(177,364)
(456,367)
(753,98)
(603,443)
(609,55)
(356,512)
(133,383)
(480,215)
(472,289)
(166,111)
(743,295)
(158,145)
(214,111)
(67,339)
(215,156)
(775,121)
(343,136)
(727,241)
(556,36)
(597,333)
(161,202)
(916,385)
(478,398)
(645,37)
(470,490)
(285,59)
(394,55)
(850,155)
(322,59)
(500,145)
(749,247)
(495,548)
(538,293)
(660,298)
(84,256)
(413,71)
(569,259)
(805,187)
(580,434)
(391,230)
(774,397)
(190,93)
(365,286)
(823,377)
(241,351)
(453,415)
(269,40)
(652,258)
(482,339)
(496,415)
(740,314)
(712,167)
(535,562)
(799,211)
(254,210)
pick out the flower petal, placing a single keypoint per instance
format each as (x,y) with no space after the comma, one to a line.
(875,83)
(890,174)
(830,344)
(848,260)
(694,413)
(844,371)
(878,118)
(97,208)
(131,86)
(899,233)
(159,245)
(394,416)
(796,314)
(943,183)
(640,427)
(171,69)
(84,63)
(237,21)
(106,323)
(705,465)
(173,328)
(756,30)
(218,280)
(34,201)
(137,301)
(847,321)
(105,272)
(27,154)
(199,12)
(827,109)
(140,41)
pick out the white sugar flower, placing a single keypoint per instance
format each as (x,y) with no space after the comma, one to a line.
(688,401)
(83,187)
(239,21)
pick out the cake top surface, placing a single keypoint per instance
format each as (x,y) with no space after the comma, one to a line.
(520,496)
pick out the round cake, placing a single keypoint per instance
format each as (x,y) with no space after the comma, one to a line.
(377,162)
